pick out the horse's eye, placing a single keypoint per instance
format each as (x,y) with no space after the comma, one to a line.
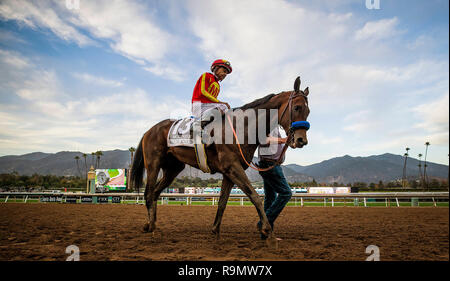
(297,107)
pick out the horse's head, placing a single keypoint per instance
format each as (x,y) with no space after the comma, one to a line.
(294,112)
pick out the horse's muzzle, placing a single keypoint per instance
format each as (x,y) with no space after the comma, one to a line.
(299,143)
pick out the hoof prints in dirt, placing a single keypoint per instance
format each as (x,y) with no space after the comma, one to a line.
(106,232)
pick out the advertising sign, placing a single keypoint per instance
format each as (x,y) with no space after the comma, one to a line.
(102,199)
(71,199)
(51,198)
(85,199)
(343,190)
(110,180)
(321,190)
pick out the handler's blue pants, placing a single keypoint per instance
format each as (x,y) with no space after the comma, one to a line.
(276,189)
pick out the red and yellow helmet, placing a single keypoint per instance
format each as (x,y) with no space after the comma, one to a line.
(223,63)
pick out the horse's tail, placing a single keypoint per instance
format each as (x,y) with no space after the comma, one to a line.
(137,168)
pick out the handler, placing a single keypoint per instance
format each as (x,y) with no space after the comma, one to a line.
(277,191)
(207,88)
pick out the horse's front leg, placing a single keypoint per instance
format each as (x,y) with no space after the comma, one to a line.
(237,174)
(227,184)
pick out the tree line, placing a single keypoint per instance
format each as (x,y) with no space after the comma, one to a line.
(36,182)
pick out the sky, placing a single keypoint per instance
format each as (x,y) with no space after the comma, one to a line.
(96,75)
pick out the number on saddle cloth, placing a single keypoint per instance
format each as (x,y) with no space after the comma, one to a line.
(180,133)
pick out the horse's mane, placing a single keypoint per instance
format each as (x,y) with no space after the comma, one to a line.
(257,102)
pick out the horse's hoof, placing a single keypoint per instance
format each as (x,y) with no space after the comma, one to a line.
(216,234)
(272,243)
(146,227)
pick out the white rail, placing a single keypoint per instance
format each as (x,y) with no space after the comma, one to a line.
(210,195)
(413,197)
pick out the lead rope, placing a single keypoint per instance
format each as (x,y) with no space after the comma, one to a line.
(251,165)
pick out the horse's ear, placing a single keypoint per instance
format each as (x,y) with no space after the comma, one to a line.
(297,84)
(306,91)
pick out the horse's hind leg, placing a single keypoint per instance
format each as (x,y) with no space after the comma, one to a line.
(152,176)
(170,170)
(227,184)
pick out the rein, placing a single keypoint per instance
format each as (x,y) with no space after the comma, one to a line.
(290,134)
(251,165)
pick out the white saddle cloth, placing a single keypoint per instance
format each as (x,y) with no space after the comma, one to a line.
(180,133)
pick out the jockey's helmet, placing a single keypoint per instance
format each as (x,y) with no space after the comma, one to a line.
(223,63)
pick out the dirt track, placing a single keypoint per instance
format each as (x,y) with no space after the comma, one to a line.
(113,232)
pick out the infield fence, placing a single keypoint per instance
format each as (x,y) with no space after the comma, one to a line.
(386,199)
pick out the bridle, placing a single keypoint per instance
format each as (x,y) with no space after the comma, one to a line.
(292,127)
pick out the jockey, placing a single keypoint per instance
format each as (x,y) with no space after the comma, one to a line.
(207,88)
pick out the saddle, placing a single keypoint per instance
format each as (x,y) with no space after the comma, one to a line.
(188,132)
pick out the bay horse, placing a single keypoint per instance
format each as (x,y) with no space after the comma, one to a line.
(153,154)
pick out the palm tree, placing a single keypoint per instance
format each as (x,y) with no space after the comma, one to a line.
(406,159)
(92,160)
(425,177)
(420,168)
(98,154)
(131,150)
(77,158)
(404,168)
(85,163)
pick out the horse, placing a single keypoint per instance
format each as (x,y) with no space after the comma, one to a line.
(231,160)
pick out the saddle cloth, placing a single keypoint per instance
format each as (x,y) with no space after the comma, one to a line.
(180,134)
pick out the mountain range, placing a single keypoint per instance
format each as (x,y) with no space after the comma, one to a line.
(344,169)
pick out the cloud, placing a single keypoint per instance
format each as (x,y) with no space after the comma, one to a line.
(8,36)
(362,122)
(46,118)
(88,78)
(12,59)
(128,27)
(434,118)
(344,85)
(354,68)
(40,14)
(25,79)
(170,72)
(376,30)
(268,49)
